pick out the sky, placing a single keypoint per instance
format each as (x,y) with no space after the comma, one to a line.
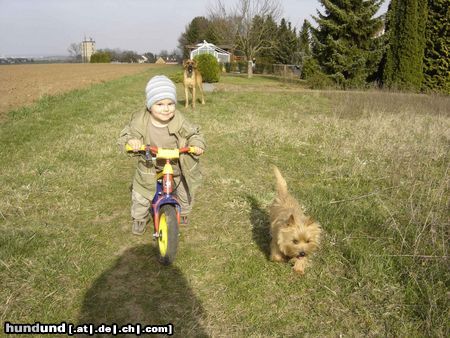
(48,27)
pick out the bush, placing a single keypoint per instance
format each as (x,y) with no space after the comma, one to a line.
(320,80)
(101,57)
(177,77)
(209,67)
(314,76)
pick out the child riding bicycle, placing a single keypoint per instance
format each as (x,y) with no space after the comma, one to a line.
(161,125)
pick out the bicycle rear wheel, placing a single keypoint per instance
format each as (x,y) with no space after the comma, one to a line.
(168,234)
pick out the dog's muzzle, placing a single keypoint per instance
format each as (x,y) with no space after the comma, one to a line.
(301,254)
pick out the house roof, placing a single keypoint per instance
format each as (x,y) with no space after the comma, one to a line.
(220,49)
(160,60)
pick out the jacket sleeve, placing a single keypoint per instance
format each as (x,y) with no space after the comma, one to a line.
(193,135)
(190,165)
(133,130)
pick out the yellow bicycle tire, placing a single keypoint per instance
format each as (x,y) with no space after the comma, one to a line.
(168,234)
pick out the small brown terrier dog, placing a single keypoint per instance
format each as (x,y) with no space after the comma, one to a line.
(192,79)
(295,236)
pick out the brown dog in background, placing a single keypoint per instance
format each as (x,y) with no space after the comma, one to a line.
(192,79)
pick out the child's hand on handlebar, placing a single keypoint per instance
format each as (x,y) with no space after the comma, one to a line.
(135,144)
(198,151)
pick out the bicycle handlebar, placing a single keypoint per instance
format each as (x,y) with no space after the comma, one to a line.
(164,153)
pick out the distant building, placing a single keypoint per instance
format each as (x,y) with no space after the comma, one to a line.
(87,49)
(222,55)
(142,59)
(160,61)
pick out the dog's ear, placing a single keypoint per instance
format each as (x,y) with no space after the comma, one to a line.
(310,221)
(184,63)
(194,63)
(290,221)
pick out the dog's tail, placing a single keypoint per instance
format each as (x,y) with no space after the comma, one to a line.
(281,183)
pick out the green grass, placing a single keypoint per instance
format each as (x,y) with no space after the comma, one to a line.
(371,167)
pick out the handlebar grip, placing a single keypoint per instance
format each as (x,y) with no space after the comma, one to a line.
(128,148)
(189,150)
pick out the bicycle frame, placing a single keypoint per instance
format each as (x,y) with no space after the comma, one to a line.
(164,181)
(163,196)
(165,208)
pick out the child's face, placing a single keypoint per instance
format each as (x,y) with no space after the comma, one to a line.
(163,110)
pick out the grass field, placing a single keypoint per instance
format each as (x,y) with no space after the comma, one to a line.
(371,167)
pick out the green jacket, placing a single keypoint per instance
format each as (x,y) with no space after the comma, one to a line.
(186,133)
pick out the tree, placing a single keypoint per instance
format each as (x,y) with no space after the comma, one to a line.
(222,24)
(437,47)
(129,56)
(163,54)
(249,26)
(75,51)
(405,26)
(304,39)
(176,56)
(151,58)
(199,29)
(116,55)
(287,50)
(253,26)
(101,57)
(268,56)
(305,50)
(345,44)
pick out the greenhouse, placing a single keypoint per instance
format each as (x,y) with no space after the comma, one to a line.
(221,55)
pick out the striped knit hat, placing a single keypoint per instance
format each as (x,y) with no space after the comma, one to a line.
(159,88)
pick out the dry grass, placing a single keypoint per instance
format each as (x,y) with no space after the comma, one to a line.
(371,167)
(24,84)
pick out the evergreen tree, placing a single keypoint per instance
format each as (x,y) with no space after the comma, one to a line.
(345,42)
(305,40)
(198,30)
(405,26)
(307,63)
(437,47)
(268,55)
(287,50)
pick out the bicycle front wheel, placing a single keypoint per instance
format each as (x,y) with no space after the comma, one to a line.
(168,234)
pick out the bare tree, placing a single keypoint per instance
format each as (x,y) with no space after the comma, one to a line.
(254,32)
(252,22)
(75,51)
(223,24)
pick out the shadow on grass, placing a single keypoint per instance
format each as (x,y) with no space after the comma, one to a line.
(260,225)
(137,289)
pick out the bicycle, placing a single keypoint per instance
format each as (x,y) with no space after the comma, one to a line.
(165,209)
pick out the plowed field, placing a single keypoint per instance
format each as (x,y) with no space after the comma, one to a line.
(23,84)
